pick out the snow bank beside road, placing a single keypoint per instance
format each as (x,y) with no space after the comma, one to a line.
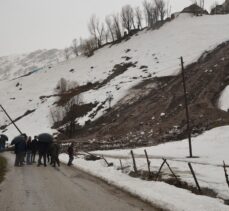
(211,147)
(158,193)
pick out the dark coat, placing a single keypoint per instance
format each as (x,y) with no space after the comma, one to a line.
(29,145)
(34,145)
(55,149)
(43,147)
(70,150)
(20,147)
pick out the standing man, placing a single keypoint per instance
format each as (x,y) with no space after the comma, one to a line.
(3,139)
(20,150)
(55,151)
(42,151)
(1,144)
(71,154)
(29,151)
(34,146)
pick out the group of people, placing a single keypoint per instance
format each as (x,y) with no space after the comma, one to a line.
(26,150)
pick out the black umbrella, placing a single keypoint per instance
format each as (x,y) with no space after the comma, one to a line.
(17,140)
(45,137)
(3,137)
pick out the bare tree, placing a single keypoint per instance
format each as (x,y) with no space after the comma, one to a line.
(161,8)
(127,17)
(88,46)
(214,8)
(116,26)
(168,9)
(69,114)
(226,5)
(66,114)
(75,48)
(56,116)
(138,15)
(155,15)
(200,3)
(110,28)
(100,31)
(148,8)
(92,25)
(96,29)
(107,36)
(66,53)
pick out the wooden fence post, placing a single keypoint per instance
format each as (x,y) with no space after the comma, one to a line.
(134,163)
(108,164)
(148,162)
(171,170)
(225,171)
(194,176)
(159,171)
(121,164)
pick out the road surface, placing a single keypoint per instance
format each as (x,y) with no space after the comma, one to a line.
(32,188)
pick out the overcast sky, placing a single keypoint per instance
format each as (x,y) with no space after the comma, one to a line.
(28,25)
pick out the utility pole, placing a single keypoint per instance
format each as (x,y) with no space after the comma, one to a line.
(10,119)
(186,108)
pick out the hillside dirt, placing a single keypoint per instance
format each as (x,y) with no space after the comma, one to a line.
(153,112)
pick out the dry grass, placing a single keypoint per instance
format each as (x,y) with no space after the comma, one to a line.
(2,168)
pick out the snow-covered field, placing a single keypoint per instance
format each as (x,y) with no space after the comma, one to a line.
(159,50)
(211,147)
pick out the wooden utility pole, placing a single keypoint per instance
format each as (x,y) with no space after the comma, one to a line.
(186,108)
(11,119)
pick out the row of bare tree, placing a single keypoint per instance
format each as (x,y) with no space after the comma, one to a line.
(116,26)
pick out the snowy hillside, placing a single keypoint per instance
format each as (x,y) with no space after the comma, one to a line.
(18,65)
(148,54)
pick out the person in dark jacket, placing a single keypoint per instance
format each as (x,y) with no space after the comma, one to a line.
(29,151)
(20,150)
(42,151)
(2,143)
(55,151)
(49,154)
(34,148)
(71,154)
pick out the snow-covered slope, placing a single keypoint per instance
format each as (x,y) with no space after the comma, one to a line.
(158,51)
(18,65)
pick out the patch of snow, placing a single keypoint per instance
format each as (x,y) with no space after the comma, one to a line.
(224,99)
